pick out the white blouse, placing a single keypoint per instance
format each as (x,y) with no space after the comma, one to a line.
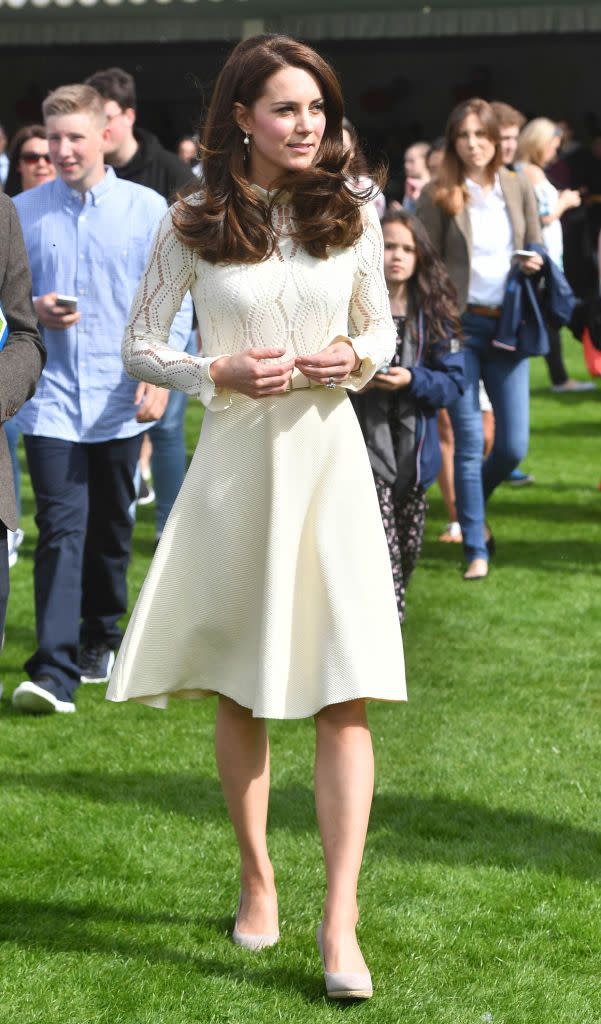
(492,244)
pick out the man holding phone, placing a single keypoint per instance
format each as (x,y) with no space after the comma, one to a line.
(88,236)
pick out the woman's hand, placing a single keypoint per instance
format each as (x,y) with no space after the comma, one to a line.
(531,264)
(569,199)
(397,377)
(250,374)
(336,361)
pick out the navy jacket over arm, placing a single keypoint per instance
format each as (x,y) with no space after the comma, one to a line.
(525,308)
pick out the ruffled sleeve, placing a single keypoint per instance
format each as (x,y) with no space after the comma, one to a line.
(371,328)
(145,350)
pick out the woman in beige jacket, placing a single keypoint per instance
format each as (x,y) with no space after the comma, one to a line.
(479,217)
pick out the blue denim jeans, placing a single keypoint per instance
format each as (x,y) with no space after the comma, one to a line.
(506,379)
(169,451)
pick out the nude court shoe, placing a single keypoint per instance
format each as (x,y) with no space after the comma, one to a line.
(343,985)
(250,941)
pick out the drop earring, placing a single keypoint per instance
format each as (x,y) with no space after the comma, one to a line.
(246,139)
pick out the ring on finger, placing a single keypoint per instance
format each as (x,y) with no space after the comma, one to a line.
(331,383)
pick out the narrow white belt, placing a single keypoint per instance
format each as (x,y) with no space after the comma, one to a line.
(298,381)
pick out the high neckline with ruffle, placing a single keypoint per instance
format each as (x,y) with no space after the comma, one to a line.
(276,196)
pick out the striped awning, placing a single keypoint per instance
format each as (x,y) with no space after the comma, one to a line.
(19,4)
(73,21)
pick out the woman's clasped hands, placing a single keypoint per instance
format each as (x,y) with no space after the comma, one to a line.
(253,373)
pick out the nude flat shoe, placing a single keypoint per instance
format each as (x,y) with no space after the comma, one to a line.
(476,570)
(249,941)
(343,984)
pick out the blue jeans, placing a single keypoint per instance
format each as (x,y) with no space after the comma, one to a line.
(506,379)
(169,451)
(12,436)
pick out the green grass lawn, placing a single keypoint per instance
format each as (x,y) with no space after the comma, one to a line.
(480,895)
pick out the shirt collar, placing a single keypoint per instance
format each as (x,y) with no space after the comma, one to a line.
(476,190)
(95,193)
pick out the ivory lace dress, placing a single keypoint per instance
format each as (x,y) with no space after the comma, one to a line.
(272,582)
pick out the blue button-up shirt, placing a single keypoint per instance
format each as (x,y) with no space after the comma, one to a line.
(95,249)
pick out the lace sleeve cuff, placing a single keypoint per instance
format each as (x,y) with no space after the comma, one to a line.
(373,350)
(159,364)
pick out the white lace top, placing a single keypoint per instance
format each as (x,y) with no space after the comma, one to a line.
(291,300)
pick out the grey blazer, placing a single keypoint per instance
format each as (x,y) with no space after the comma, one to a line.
(23,356)
(452,236)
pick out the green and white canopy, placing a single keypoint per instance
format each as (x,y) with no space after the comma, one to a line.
(105,21)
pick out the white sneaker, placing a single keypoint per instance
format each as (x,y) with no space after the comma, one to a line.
(35,699)
(572,386)
(452,534)
(14,539)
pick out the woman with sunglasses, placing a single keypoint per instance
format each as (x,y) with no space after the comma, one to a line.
(30,163)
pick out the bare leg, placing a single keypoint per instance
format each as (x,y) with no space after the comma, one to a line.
(344,778)
(146,454)
(446,476)
(242,749)
(488,426)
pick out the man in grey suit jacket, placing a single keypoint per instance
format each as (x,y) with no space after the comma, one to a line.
(21,362)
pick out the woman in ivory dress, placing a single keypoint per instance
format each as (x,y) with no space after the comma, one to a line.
(271,586)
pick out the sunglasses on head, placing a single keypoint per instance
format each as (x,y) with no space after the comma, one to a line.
(33,158)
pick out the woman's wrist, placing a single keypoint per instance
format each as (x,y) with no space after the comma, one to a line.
(216,371)
(358,360)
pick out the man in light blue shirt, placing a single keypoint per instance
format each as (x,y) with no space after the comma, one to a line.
(88,236)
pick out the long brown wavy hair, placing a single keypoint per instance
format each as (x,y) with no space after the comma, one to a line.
(227,222)
(430,288)
(451,191)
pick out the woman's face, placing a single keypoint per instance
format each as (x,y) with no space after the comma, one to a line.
(34,164)
(434,162)
(473,146)
(186,151)
(400,256)
(286,125)
(550,150)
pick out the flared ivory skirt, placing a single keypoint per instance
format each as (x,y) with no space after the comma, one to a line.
(272,582)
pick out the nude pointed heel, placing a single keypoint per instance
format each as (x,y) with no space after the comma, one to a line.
(249,941)
(343,984)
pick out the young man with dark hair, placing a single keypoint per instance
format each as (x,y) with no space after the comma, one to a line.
(511,122)
(135,154)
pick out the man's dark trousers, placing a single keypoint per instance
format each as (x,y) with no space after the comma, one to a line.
(85,499)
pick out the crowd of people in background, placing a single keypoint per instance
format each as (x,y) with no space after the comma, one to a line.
(497,198)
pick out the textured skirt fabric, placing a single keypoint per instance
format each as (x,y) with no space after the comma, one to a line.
(272,582)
